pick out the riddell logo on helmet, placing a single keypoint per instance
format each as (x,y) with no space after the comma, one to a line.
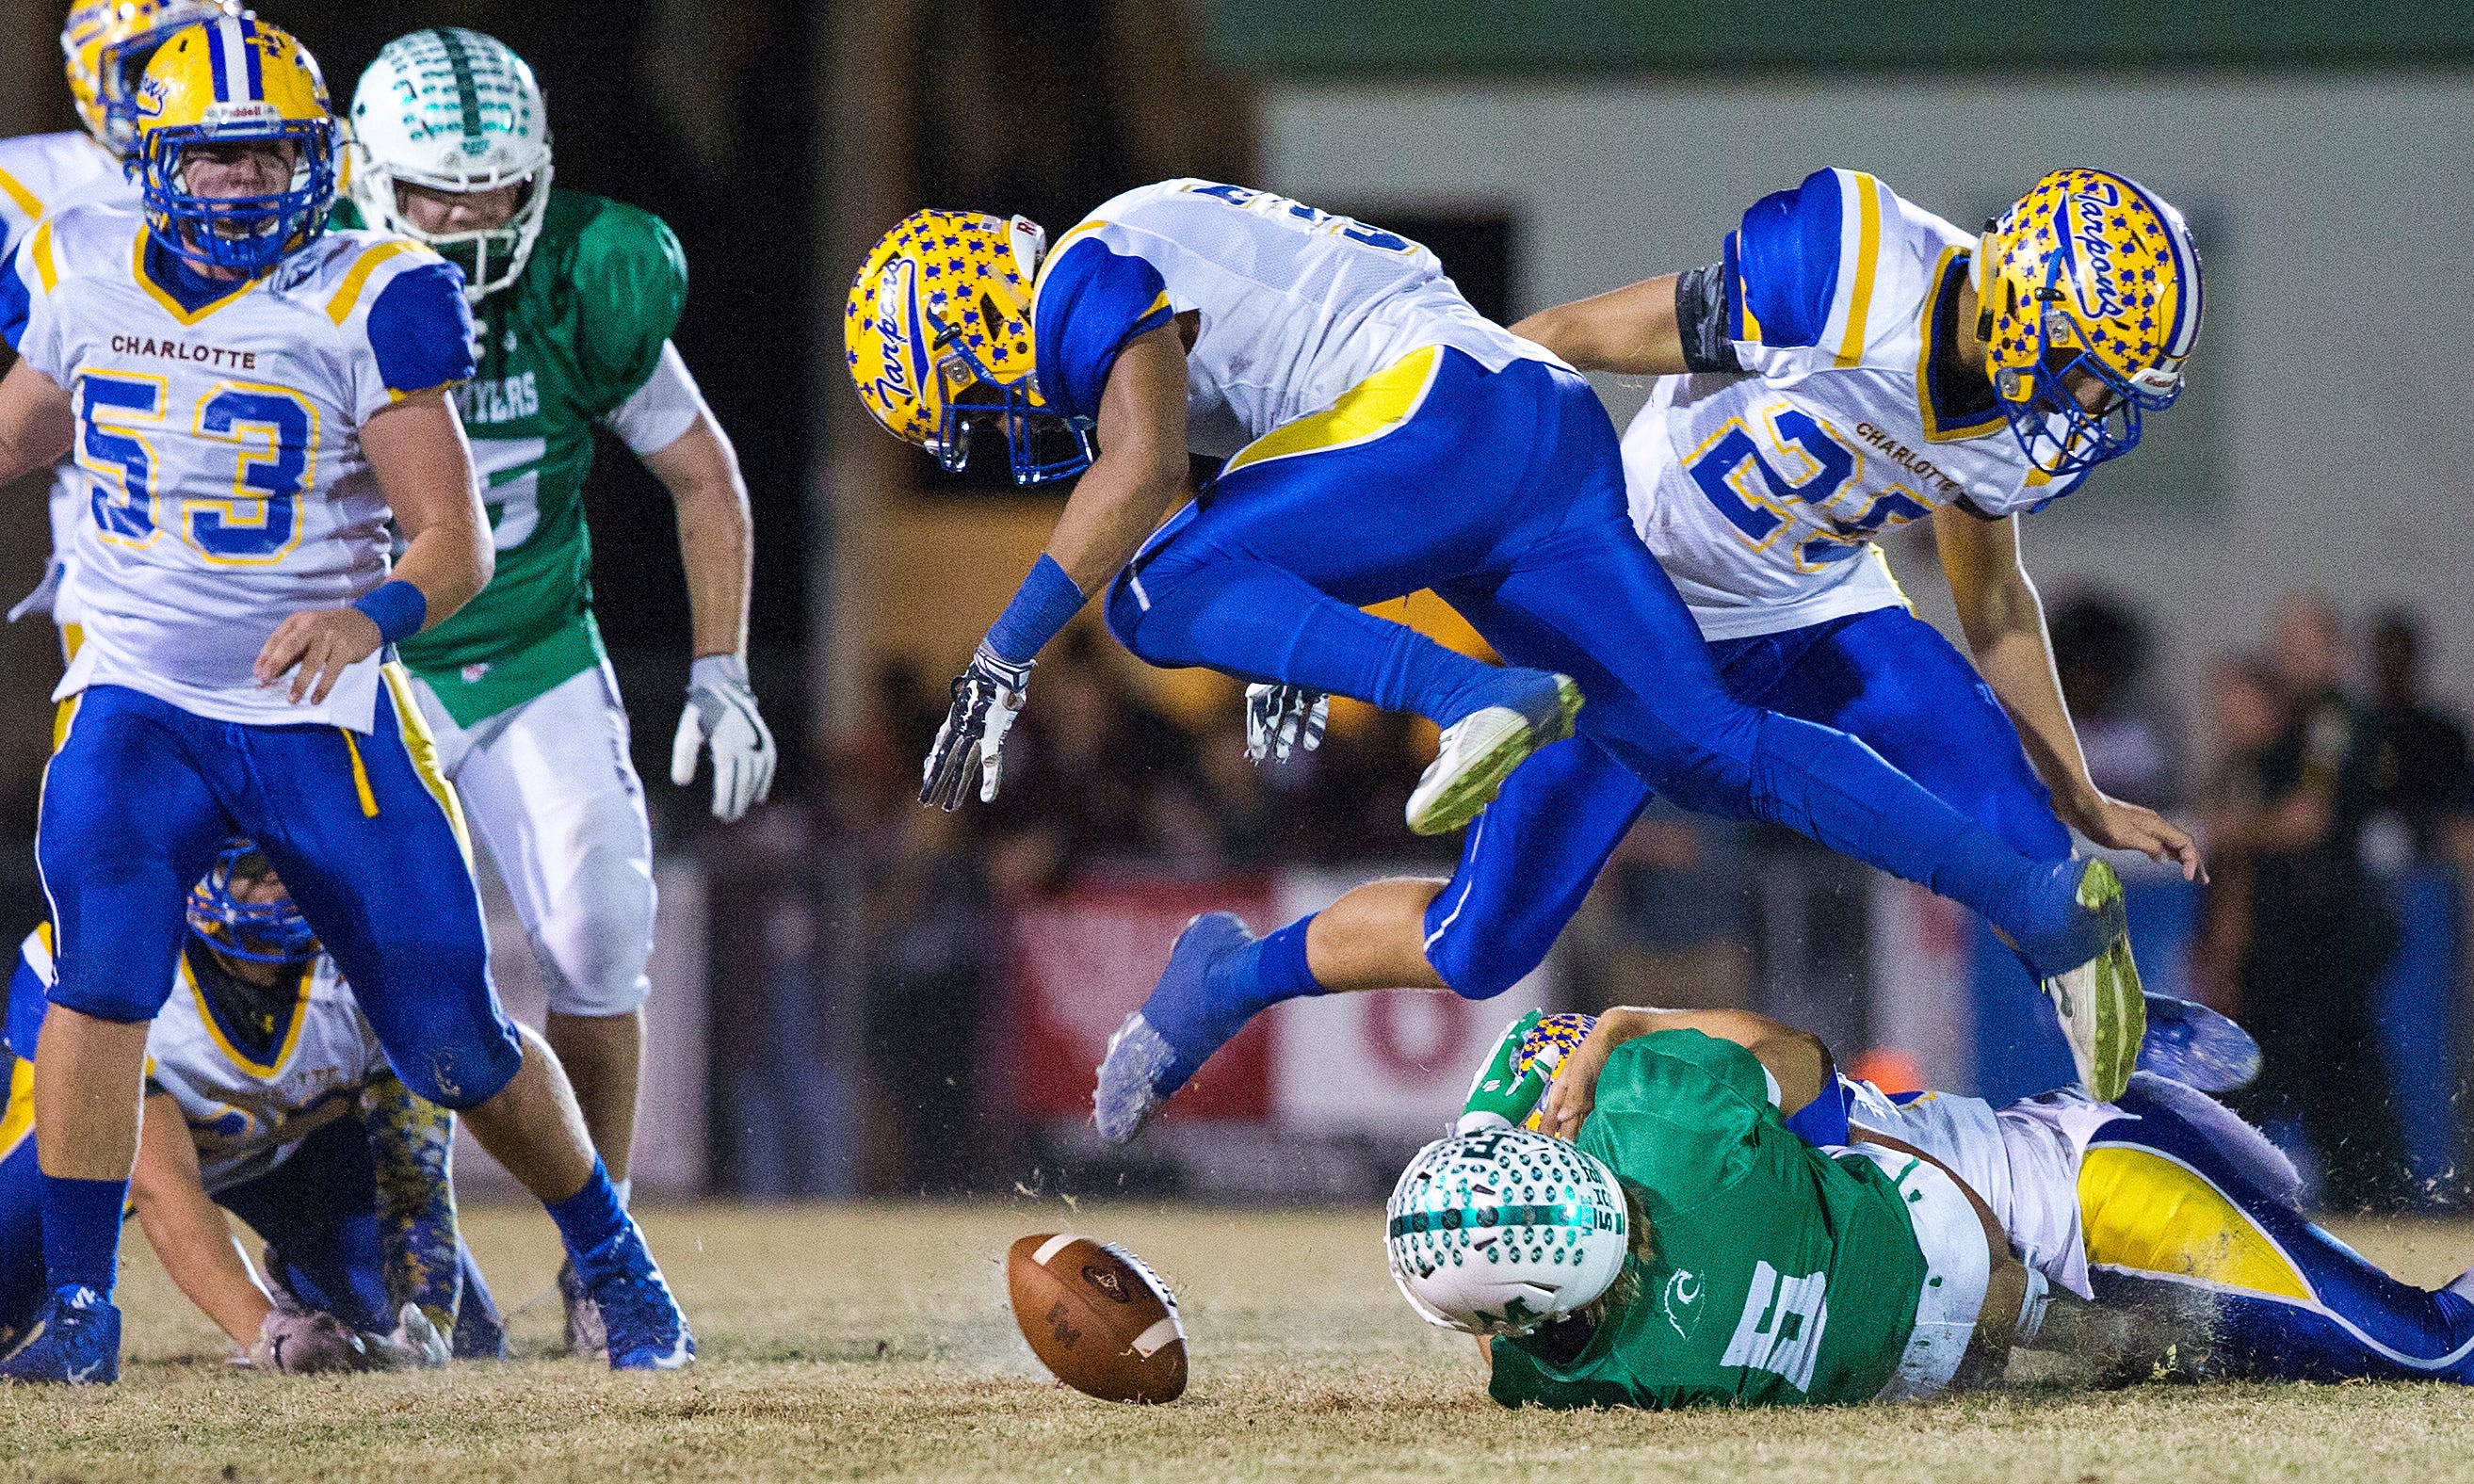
(2087,257)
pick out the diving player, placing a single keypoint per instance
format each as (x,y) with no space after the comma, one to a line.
(250,396)
(268,1095)
(575,298)
(105,44)
(1381,437)
(2175,1217)
(1716,1259)
(1851,364)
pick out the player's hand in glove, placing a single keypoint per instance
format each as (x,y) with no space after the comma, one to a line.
(721,711)
(304,1342)
(416,1345)
(1279,717)
(986,699)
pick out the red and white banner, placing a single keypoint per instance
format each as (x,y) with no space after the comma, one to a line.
(1392,1062)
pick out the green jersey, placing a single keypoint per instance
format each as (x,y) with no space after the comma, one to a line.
(561,349)
(1782,1275)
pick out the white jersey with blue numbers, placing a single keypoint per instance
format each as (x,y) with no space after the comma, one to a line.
(250,1094)
(1296,305)
(47,172)
(1762,491)
(225,486)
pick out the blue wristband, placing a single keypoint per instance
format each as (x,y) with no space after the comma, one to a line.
(1046,603)
(397,607)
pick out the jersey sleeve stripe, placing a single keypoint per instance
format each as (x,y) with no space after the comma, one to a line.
(348,297)
(1864,202)
(19,196)
(45,268)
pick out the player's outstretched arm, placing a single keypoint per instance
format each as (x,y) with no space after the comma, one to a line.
(187,1229)
(36,420)
(1632,331)
(1140,473)
(417,448)
(2004,622)
(717,548)
(1796,1060)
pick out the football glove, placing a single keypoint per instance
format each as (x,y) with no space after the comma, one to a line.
(1281,717)
(416,1345)
(304,1342)
(986,699)
(721,710)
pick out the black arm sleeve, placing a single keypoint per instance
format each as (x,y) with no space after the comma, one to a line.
(1701,319)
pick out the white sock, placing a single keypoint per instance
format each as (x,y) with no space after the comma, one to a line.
(626,1188)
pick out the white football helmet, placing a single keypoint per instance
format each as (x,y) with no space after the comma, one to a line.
(1500,1232)
(454,110)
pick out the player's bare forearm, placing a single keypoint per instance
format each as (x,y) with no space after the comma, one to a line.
(187,1229)
(716,537)
(1797,1060)
(36,420)
(1631,331)
(411,1152)
(418,450)
(1141,471)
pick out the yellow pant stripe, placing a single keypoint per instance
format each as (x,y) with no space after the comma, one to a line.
(360,776)
(1364,413)
(64,716)
(2151,1214)
(423,749)
(17,1118)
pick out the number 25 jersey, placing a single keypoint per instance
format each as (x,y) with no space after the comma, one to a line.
(220,445)
(1760,493)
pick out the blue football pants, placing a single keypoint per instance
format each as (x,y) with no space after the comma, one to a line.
(363,830)
(1503,491)
(1886,678)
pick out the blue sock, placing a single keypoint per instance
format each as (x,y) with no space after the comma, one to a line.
(1199,1018)
(592,1216)
(81,1232)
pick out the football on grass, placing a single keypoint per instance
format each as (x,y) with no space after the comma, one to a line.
(1097,1318)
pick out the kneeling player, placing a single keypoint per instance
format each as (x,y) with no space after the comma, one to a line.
(268,1096)
(1692,1249)
(2180,1221)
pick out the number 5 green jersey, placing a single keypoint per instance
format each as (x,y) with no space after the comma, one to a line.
(1782,1275)
(579,340)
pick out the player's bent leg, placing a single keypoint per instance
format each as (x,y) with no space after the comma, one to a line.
(21,1209)
(2185,1197)
(317,1213)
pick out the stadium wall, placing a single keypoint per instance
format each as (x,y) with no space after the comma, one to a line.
(2332,448)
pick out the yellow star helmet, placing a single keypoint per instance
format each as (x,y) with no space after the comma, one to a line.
(106,43)
(2089,293)
(937,335)
(234,81)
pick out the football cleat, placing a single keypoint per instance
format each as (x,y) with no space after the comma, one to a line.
(2196,1047)
(1177,1029)
(2088,295)
(638,1315)
(587,1339)
(75,1342)
(2102,1010)
(1480,750)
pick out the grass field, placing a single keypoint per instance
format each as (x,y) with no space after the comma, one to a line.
(873,1342)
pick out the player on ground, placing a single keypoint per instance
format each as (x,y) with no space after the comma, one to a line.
(252,397)
(2180,1221)
(1692,1249)
(574,298)
(1851,364)
(1381,437)
(106,45)
(268,1095)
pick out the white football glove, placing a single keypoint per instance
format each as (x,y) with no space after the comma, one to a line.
(721,710)
(986,699)
(1281,717)
(416,1345)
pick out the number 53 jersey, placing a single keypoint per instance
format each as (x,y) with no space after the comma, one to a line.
(220,444)
(1762,492)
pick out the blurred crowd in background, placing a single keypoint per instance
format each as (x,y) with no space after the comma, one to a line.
(2332,795)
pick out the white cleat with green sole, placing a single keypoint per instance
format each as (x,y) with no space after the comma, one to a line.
(2103,1011)
(1480,750)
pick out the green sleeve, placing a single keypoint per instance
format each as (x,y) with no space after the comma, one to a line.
(632,277)
(1677,1111)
